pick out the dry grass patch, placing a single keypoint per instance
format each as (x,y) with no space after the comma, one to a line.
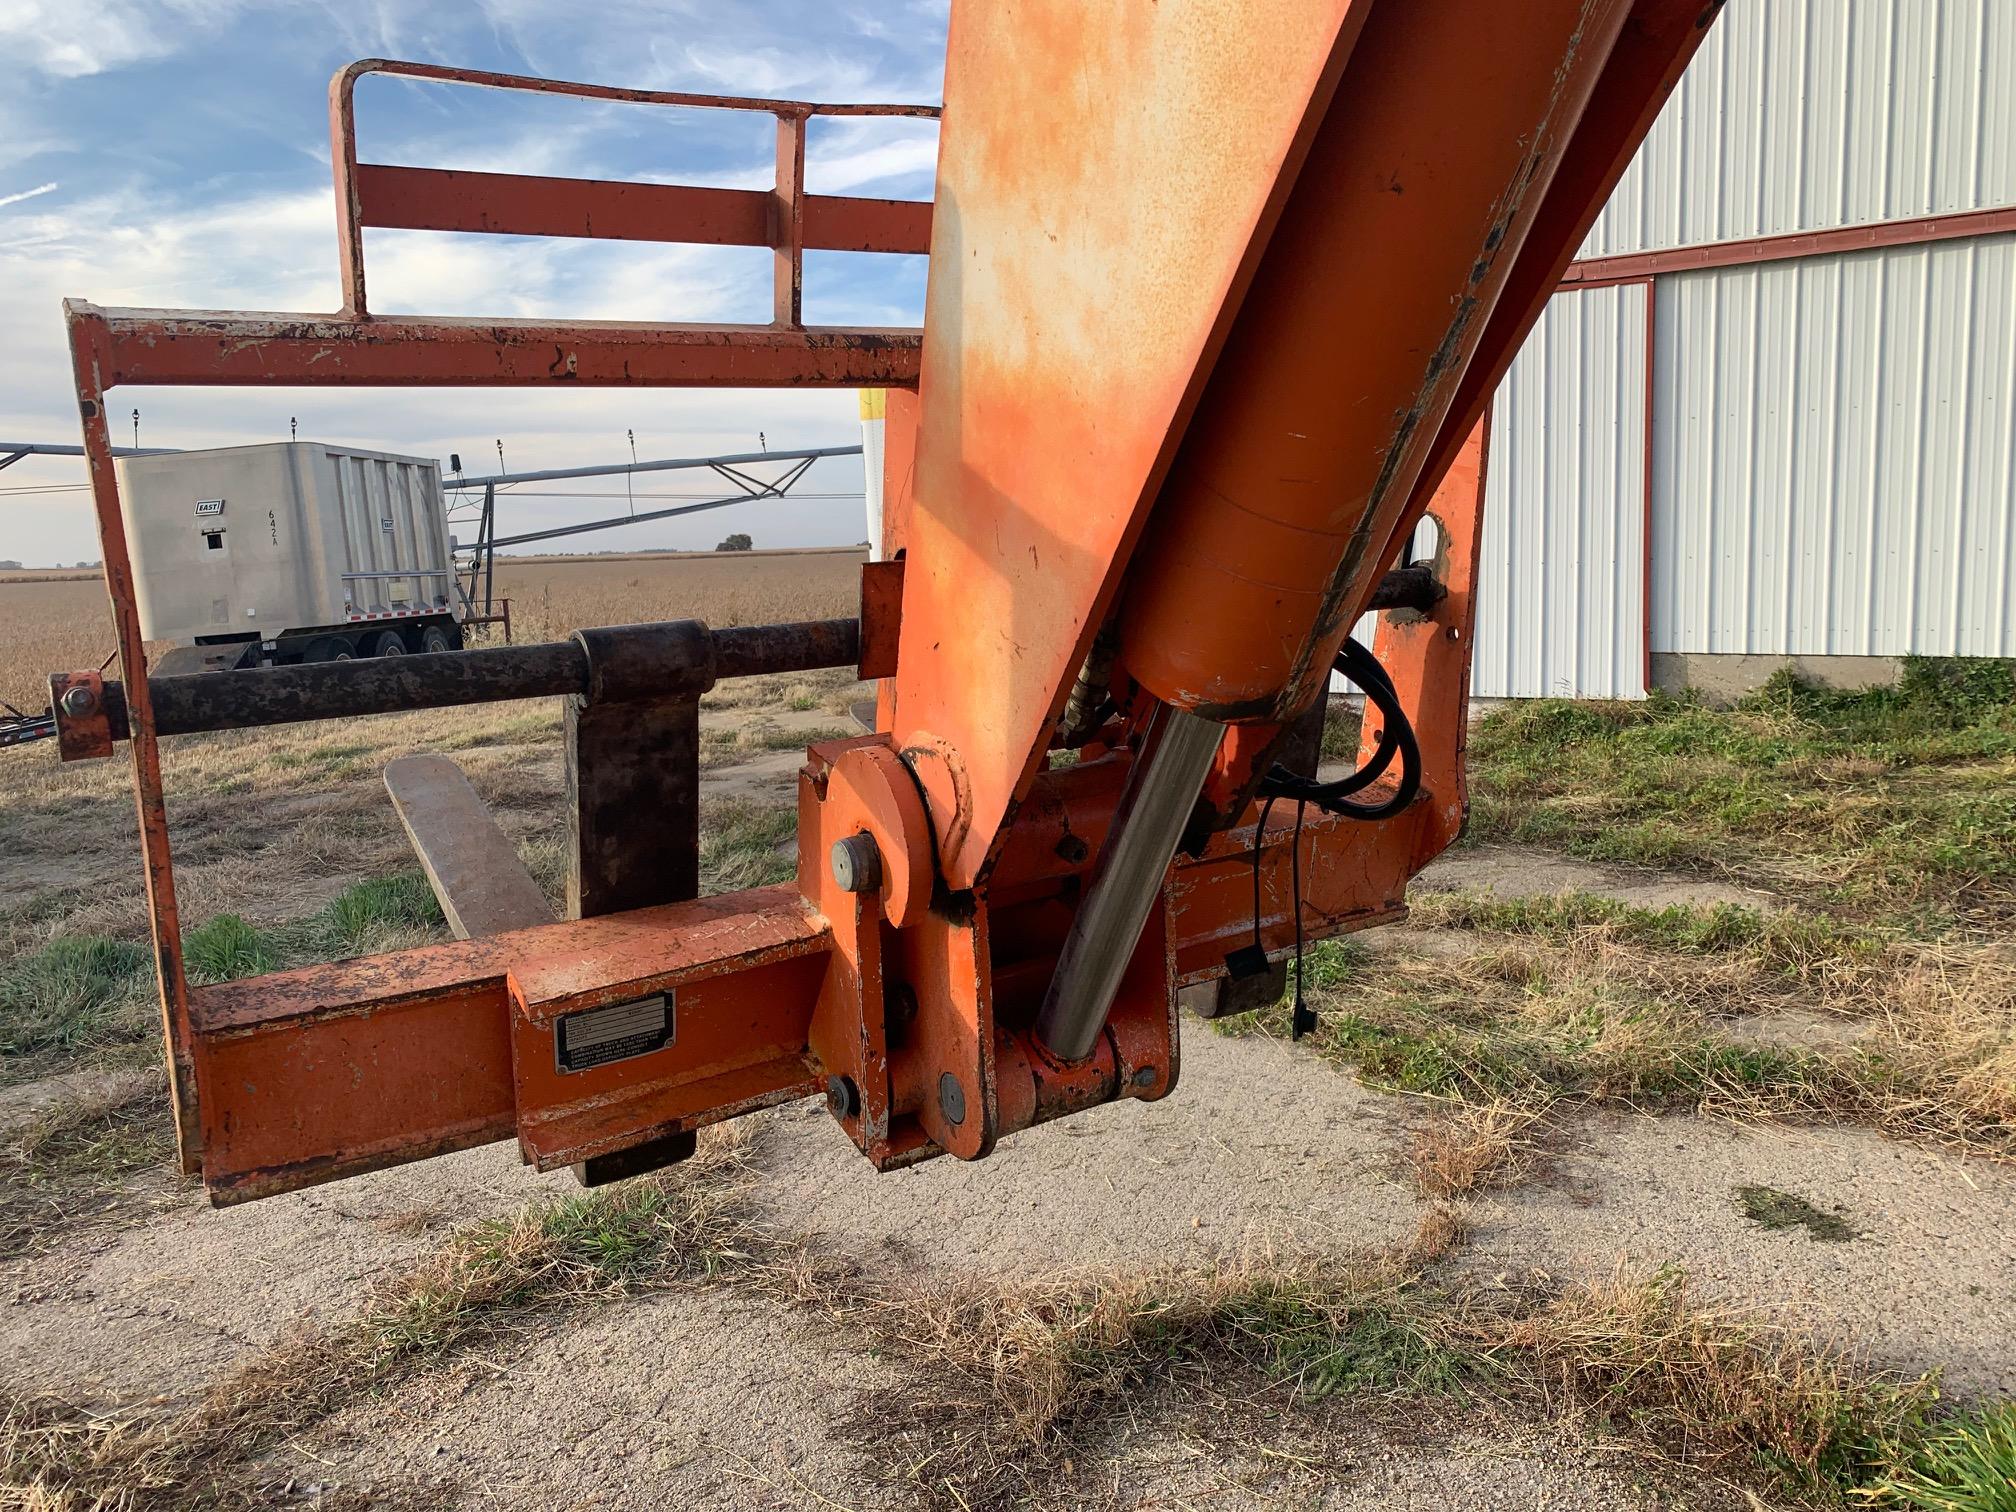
(489,1280)
(1898,802)
(1012,1389)
(1474,1147)
(1585,999)
(70,1162)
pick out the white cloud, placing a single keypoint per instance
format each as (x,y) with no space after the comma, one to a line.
(124,231)
(278,252)
(28,194)
(849,154)
(67,40)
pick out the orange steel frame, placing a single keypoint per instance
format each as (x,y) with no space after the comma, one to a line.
(917,995)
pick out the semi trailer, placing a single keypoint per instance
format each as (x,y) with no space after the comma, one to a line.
(288,552)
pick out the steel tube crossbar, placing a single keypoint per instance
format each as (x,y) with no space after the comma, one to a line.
(252,697)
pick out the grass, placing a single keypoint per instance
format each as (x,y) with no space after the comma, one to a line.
(66,1163)
(74,994)
(1473,1147)
(1584,999)
(556,1253)
(1893,802)
(743,844)
(1967,1464)
(1005,1389)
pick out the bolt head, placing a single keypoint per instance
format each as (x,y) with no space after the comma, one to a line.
(951,1099)
(843,1098)
(857,864)
(79,701)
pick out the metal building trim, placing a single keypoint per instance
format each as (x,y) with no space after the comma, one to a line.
(1811,115)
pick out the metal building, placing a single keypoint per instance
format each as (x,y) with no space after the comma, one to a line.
(1772,412)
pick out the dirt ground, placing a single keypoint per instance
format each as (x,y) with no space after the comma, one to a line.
(708,1394)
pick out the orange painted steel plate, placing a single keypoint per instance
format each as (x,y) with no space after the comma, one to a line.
(1106,175)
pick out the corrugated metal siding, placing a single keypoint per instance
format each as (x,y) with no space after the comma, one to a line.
(1560,603)
(1835,455)
(1800,115)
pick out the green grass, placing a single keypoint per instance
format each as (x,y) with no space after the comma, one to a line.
(83,995)
(74,994)
(225,949)
(1966,1464)
(363,917)
(1898,801)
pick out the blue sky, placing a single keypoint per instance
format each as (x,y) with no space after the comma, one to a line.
(176,153)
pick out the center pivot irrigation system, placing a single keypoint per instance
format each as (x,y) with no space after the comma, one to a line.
(476,498)
(481,560)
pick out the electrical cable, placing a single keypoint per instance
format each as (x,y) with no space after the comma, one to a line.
(1396,738)
(1303,1018)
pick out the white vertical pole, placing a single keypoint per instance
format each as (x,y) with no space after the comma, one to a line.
(874,406)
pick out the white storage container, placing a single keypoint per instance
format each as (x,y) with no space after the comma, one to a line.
(283,537)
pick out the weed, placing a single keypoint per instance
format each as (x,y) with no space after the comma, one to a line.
(368,914)
(1473,1147)
(225,949)
(72,994)
(1634,1352)
(1341,725)
(1966,1464)
(1769,1208)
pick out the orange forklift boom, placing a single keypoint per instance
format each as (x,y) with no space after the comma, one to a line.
(1218,296)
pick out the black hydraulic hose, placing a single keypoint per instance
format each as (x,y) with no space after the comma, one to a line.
(1396,737)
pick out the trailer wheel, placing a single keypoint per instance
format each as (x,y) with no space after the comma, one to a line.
(435,639)
(330,648)
(388,643)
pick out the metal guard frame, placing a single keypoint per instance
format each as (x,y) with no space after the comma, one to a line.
(111,347)
(450,1033)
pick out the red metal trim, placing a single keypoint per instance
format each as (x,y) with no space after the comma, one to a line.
(1645,542)
(165,920)
(1595,272)
(512,204)
(372,194)
(787,228)
(421,351)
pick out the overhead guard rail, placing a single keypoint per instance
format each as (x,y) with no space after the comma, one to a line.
(356,346)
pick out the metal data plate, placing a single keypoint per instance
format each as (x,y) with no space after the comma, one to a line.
(618,1032)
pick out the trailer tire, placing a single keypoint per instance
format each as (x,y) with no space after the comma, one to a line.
(435,639)
(330,648)
(388,643)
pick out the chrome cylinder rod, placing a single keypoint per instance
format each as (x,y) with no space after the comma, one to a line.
(1126,881)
